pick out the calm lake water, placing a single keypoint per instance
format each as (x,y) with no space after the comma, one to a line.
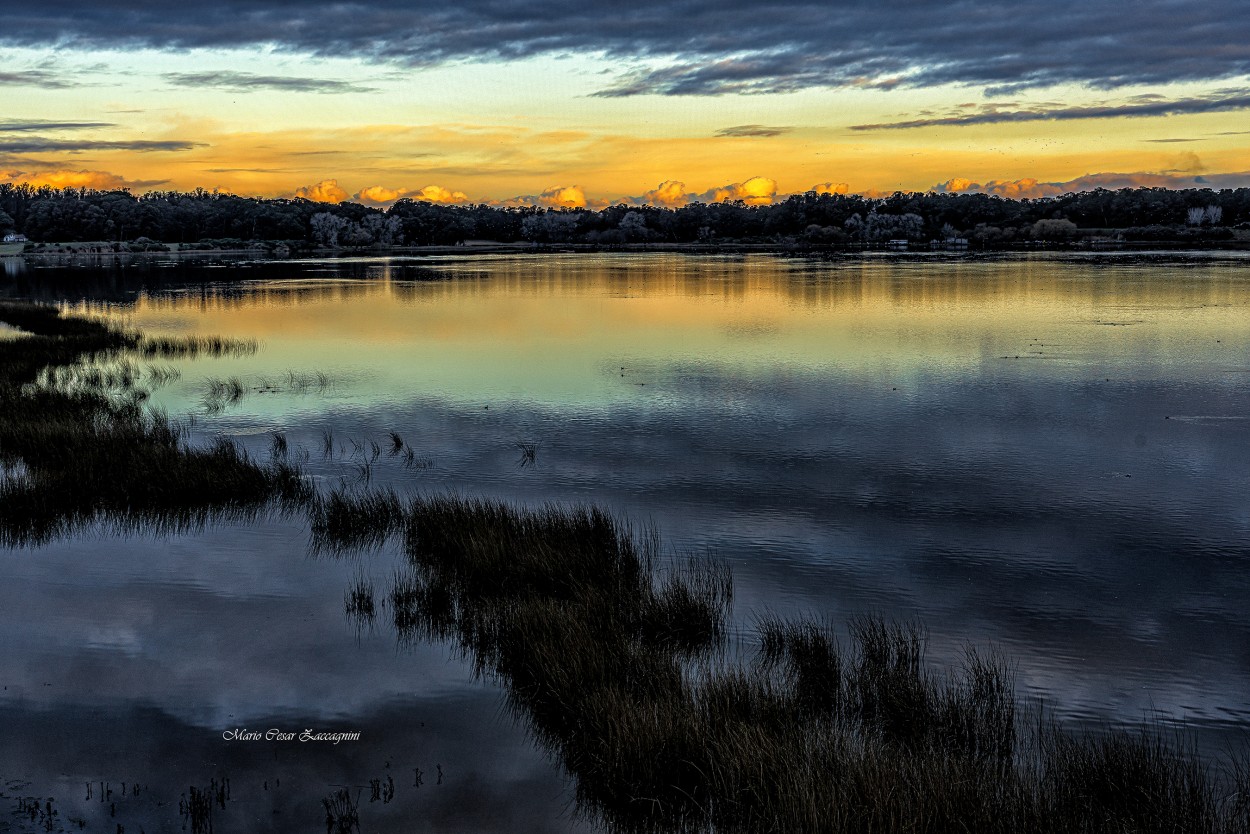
(1048,455)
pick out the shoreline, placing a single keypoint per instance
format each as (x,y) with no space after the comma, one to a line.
(276,250)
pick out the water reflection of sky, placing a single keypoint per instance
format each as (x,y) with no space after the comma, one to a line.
(1045,454)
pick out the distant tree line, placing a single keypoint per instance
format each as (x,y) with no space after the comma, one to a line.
(208,218)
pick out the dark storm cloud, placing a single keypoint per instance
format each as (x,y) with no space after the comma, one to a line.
(707,47)
(36,125)
(753,130)
(1221,100)
(246,82)
(41,145)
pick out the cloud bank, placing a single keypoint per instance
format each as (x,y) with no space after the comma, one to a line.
(36,125)
(246,82)
(752,131)
(46,79)
(378,195)
(831,188)
(701,47)
(1031,188)
(326,191)
(1138,106)
(42,145)
(67,178)
(756,191)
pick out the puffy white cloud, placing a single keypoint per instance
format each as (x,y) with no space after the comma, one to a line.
(326,191)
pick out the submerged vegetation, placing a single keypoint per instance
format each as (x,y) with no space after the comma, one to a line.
(626,679)
(77,444)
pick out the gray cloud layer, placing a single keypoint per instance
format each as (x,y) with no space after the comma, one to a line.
(36,125)
(41,145)
(1221,100)
(753,130)
(709,46)
(34,78)
(246,82)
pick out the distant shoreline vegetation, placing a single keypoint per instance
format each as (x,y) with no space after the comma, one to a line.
(45,219)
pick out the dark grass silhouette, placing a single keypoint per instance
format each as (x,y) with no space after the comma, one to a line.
(90,451)
(624,679)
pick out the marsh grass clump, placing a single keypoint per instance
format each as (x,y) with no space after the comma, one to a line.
(687,612)
(196,808)
(1133,781)
(344,520)
(420,609)
(359,601)
(90,451)
(187,347)
(622,675)
(298,383)
(811,662)
(494,550)
(220,393)
(162,375)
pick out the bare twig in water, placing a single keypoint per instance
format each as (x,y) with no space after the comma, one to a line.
(529,453)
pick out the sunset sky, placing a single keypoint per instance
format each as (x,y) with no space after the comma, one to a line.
(591,103)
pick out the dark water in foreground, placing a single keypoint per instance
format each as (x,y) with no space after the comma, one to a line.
(1048,455)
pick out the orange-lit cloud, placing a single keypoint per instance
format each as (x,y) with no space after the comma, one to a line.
(831,188)
(438,194)
(63,178)
(326,191)
(379,195)
(558,196)
(958,185)
(568,196)
(670,193)
(757,191)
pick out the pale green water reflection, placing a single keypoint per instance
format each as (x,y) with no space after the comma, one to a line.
(584,332)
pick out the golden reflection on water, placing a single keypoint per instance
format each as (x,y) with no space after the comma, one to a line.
(584,329)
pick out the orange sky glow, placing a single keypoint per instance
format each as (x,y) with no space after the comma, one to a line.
(538,131)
